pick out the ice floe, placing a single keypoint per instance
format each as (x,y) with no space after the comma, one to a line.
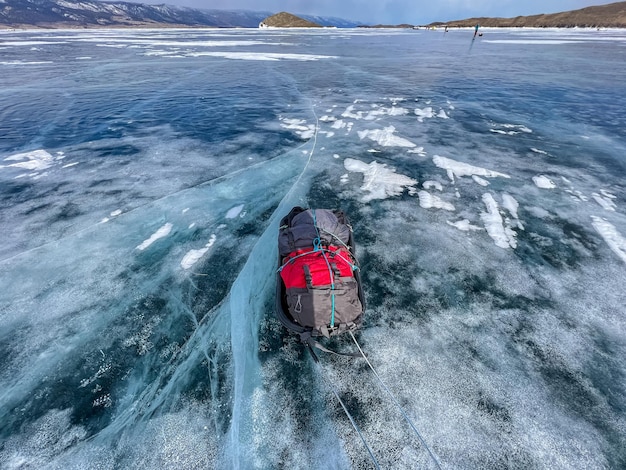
(380,182)
(611,236)
(460,169)
(164,231)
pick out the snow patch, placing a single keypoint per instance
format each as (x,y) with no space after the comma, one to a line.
(615,240)
(428,201)
(464,225)
(234,212)
(385,137)
(460,169)
(480,181)
(35,160)
(542,181)
(306,131)
(164,231)
(425,113)
(504,237)
(193,256)
(605,201)
(380,182)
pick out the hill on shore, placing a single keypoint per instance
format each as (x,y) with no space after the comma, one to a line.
(612,15)
(51,14)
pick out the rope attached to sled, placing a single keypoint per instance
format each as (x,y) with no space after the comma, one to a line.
(397,403)
(345,409)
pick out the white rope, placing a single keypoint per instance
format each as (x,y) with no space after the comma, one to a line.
(354,425)
(395,400)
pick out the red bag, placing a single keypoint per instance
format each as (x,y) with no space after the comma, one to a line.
(323,267)
(321,290)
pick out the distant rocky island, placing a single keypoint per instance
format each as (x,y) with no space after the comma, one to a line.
(287,20)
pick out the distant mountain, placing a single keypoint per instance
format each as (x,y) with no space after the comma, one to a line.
(612,15)
(287,20)
(96,14)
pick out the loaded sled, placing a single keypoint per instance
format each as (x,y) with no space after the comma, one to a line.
(318,283)
(319,292)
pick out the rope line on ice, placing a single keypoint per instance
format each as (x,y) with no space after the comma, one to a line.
(385,388)
(396,402)
(345,409)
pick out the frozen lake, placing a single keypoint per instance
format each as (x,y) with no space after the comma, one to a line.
(142,177)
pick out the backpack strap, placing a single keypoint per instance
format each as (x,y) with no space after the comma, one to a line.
(307,276)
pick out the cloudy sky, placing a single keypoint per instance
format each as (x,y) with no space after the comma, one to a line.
(394,11)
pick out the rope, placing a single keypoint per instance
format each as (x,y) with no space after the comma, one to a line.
(395,400)
(354,425)
(354,266)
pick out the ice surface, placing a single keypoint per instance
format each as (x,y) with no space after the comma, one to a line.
(487,200)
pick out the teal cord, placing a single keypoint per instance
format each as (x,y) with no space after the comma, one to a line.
(316,247)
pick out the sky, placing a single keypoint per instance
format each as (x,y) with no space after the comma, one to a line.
(414,12)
